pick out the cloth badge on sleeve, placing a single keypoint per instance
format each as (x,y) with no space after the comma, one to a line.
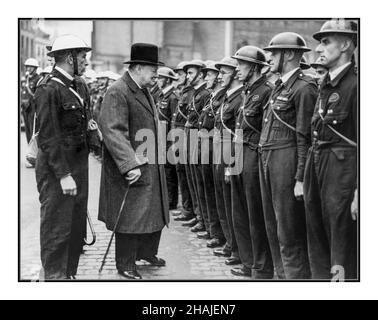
(334,97)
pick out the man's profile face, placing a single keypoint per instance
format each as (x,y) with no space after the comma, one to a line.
(330,50)
(148,75)
(225,76)
(242,70)
(320,73)
(191,75)
(162,82)
(210,78)
(275,60)
(82,62)
(30,69)
(182,77)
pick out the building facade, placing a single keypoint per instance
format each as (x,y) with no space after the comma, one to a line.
(33,42)
(180,40)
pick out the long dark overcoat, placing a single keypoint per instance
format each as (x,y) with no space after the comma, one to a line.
(126,109)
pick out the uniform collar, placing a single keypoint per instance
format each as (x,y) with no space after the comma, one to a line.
(340,74)
(333,74)
(232,91)
(285,78)
(64,73)
(167,90)
(199,86)
(256,83)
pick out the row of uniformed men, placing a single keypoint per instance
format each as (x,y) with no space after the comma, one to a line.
(292,209)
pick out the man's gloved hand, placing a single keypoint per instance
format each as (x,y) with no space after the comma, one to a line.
(68,185)
(298,190)
(354,206)
(133,175)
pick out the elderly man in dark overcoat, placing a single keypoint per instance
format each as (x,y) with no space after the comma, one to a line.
(128,111)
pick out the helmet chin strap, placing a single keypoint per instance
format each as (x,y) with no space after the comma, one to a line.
(250,73)
(281,62)
(232,78)
(195,77)
(75,66)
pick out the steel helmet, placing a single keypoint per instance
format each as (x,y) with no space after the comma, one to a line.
(304,64)
(68,42)
(317,63)
(180,66)
(194,63)
(251,54)
(167,73)
(210,65)
(287,40)
(226,62)
(338,26)
(31,62)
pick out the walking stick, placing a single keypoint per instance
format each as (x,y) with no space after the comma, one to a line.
(92,231)
(114,229)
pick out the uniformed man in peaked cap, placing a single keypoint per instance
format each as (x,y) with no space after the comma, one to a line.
(284,141)
(62,102)
(330,180)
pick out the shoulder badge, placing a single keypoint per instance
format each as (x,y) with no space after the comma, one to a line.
(255,97)
(334,97)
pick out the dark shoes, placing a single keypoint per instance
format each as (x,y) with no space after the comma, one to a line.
(232,261)
(241,271)
(190,223)
(182,217)
(203,235)
(155,261)
(198,227)
(215,242)
(130,274)
(221,252)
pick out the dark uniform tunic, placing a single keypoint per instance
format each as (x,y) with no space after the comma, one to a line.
(27,105)
(166,105)
(179,118)
(247,210)
(331,179)
(199,99)
(206,123)
(225,116)
(283,155)
(62,123)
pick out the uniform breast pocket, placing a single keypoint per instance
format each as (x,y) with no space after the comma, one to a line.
(285,110)
(251,118)
(334,116)
(72,115)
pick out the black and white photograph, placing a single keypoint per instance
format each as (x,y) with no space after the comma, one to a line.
(189,149)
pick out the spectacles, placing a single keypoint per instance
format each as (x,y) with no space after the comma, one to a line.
(224,72)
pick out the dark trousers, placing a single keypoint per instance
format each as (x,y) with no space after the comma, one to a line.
(190,176)
(130,247)
(172,185)
(284,214)
(329,185)
(248,217)
(28,115)
(63,219)
(223,202)
(184,189)
(198,178)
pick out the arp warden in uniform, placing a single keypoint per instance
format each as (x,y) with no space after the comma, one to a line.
(206,126)
(155,92)
(195,76)
(62,102)
(224,126)
(127,108)
(27,106)
(166,106)
(247,209)
(330,181)
(284,141)
(178,121)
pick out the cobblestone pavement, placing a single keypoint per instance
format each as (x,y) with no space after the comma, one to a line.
(187,257)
